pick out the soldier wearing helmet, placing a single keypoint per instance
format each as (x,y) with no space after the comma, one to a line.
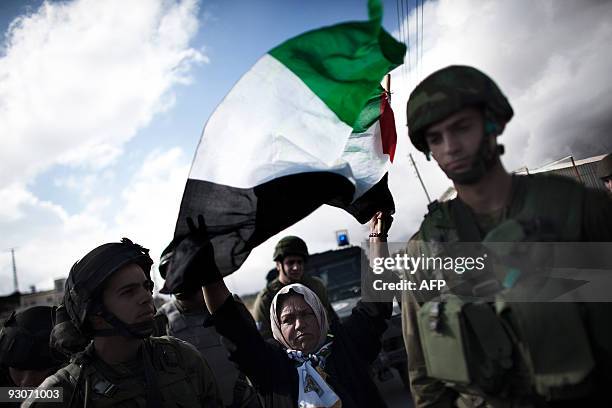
(455,115)
(290,256)
(604,172)
(25,356)
(108,298)
(500,354)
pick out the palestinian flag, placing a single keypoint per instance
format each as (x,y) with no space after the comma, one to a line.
(307,125)
(370,150)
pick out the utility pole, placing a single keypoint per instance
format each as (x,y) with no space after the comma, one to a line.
(15,283)
(416,169)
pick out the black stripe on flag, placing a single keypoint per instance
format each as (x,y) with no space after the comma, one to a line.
(237,220)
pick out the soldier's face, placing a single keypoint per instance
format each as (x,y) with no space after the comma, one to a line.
(291,269)
(298,324)
(454,141)
(127,297)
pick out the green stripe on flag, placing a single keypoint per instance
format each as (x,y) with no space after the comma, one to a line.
(343,64)
(370,113)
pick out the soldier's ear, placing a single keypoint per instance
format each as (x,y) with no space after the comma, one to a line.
(279,266)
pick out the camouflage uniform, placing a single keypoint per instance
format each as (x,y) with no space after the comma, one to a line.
(181,379)
(440,225)
(576,213)
(166,372)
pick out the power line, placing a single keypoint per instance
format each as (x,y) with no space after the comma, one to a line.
(400,28)
(416,12)
(407,28)
(422,24)
(399,23)
(406,35)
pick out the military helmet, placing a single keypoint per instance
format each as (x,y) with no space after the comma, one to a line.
(290,245)
(604,167)
(24,339)
(449,90)
(65,337)
(86,278)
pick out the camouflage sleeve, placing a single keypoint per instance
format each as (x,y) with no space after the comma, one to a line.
(426,392)
(55,381)
(197,367)
(261,314)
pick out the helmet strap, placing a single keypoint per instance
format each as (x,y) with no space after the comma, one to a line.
(486,156)
(136,330)
(282,272)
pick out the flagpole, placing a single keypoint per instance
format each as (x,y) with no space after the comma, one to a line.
(387,83)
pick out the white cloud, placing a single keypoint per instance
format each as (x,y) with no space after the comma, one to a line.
(12,198)
(79,79)
(50,240)
(150,203)
(549,57)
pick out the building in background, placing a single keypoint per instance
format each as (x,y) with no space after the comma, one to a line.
(19,301)
(584,171)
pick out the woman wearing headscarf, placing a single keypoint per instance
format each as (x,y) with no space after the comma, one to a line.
(310,364)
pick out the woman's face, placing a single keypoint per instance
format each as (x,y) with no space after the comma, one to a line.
(299,325)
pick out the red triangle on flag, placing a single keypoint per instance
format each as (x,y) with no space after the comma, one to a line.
(388,134)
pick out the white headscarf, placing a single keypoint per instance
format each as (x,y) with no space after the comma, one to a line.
(312,300)
(313,390)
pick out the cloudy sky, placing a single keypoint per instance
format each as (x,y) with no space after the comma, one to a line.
(102,105)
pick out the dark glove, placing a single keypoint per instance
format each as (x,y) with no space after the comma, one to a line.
(192,263)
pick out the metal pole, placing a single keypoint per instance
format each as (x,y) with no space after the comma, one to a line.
(419,176)
(576,170)
(15,283)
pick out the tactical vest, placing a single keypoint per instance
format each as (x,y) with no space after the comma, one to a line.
(192,328)
(173,384)
(508,350)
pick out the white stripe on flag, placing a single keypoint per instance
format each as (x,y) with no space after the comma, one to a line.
(364,155)
(269,125)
